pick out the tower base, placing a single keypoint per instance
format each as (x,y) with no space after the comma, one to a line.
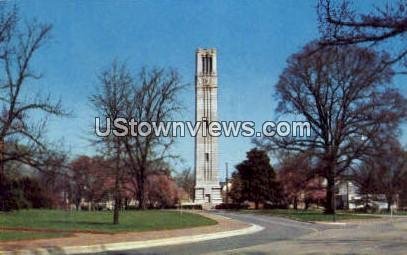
(208,196)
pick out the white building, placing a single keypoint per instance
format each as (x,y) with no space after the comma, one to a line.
(348,197)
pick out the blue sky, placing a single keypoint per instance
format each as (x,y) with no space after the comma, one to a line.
(253,38)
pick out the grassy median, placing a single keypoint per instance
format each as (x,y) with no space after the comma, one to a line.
(56,222)
(311,215)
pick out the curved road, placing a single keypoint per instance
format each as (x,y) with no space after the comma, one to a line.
(284,236)
(275,229)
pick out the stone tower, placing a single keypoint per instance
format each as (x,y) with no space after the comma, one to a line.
(207,188)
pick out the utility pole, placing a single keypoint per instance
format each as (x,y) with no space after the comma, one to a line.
(227,184)
(347,193)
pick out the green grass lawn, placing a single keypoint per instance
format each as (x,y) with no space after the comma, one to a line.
(66,221)
(310,215)
(384,212)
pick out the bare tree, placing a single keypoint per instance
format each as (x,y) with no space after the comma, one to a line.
(89,180)
(389,169)
(365,179)
(52,172)
(343,93)
(150,98)
(297,176)
(21,137)
(186,181)
(111,102)
(154,100)
(384,26)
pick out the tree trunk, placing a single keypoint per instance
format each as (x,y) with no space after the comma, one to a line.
(366,202)
(140,190)
(330,196)
(2,173)
(295,204)
(65,199)
(256,205)
(117,201)
(126,203)
(116,210)
(117,190)
(389,203)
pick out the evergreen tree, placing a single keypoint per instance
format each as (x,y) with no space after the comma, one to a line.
(255,179)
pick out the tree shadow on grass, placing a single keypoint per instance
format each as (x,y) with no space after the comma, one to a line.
(63,222)
(82,226)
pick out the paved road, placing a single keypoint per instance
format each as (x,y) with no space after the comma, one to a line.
(283,236)
(386,236)
(276,229)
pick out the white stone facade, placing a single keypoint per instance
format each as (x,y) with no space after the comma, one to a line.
(207,188)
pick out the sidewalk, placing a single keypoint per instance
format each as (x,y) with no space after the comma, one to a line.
(98,242)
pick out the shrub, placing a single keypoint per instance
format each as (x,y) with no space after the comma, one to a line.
(21,194)
(191,207)
(232,206)
(275,206)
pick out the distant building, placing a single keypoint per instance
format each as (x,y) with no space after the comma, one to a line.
(349,197)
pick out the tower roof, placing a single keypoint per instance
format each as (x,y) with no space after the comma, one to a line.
(210,50)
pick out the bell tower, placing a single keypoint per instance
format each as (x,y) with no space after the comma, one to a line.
(207,188)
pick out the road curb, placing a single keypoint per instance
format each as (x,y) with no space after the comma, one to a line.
(330,223)
(137,244)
